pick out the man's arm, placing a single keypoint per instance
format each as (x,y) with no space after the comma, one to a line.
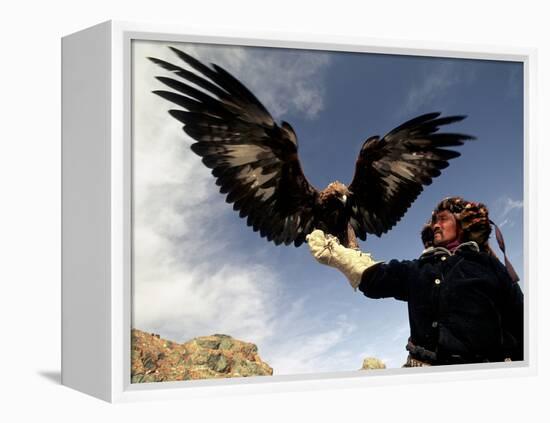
(374,279)
(388,280)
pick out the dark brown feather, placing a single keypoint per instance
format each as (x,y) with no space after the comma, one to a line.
(253,159)
(390,172)
(256,165)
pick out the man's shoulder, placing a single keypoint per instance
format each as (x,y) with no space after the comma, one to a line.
(489,262)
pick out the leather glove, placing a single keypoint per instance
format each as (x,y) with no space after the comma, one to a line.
(327,250)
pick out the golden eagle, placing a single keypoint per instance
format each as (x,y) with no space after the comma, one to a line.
(255,161)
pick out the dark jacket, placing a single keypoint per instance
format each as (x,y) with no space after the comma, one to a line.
(463,307)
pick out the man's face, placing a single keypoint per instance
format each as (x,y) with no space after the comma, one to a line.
(445,228)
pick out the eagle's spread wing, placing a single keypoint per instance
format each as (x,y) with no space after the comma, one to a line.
(255,161)
(390,172)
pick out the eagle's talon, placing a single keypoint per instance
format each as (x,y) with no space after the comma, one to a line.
(328,246)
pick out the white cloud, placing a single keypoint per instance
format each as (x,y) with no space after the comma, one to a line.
(503,223)
(389,344)
(400,333)
(505,209)
(510,205)
(294,82)
(435,82)
(289,82)
(188,281)
(176,291)
(311,346)
(185,302)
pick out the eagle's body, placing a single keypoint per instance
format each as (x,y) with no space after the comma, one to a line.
(255,161)
(333,214)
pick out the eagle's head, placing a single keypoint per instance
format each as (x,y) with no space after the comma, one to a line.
(336,193)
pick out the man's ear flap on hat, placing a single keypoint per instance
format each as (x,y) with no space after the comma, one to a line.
(427,235)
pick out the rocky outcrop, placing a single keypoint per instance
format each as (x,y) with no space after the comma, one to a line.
(218,356)
(371,363)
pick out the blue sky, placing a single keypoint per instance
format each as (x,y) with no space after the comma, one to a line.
(200,270)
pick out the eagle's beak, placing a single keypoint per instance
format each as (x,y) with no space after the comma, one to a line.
(344,198)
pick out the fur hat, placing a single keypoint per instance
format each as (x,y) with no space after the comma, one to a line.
(472,217)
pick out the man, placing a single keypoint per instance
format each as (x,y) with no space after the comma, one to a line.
(463,305)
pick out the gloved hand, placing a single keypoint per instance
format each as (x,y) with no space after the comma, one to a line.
(327,250)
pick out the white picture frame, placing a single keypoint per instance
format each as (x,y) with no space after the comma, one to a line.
(96,207)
